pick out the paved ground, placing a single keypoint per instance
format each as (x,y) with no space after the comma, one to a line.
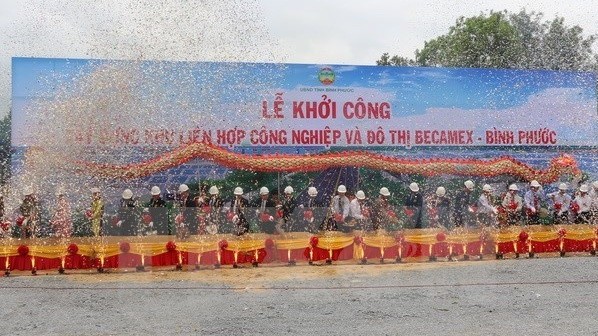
(508,297)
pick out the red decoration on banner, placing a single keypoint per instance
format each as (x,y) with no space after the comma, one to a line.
(124,247)
(441,236)
(562,233)
(223,244)
(72,249)
(313,241)
(23,250)
(564,164)
(358,240)
(19,221)
(170,246)
(147,218)
(523,236)
(269,243)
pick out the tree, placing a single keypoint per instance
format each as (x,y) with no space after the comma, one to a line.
(4,149)
(507,40)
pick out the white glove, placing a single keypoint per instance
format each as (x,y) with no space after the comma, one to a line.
(151,224)
(300,206)
(257,212)
(470,209)
(311,220)
(278,206)
(532,209)
(235,219)
(119,223)
(495,211)
(145,209)
(270,218)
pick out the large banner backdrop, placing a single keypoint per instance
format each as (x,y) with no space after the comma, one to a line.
(247,104)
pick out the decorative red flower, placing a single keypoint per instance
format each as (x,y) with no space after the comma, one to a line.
(170,246)
(223,244)
(279,213)
(313,241)
(265,217)
(88,213)
(19,221)
(338,217)
(125,247)
(5,225)
(308,214)
(147,218)
(558,206)
(409,212)
(206,209)
(269,243)
(574,207)
(562,233)
(391,214)
(513,206)
(358,240)
(73,248)
(229,216)
(441,236)
(23,250)
(523,236)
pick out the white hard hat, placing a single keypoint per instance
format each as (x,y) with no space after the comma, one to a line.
(238,191)
(264,191)
(563,186)
(183,187)
(127,194)
(384,191)
(487,187)
(312,191)
(595,184)
(95,190)
(213,190)
(440,191)
(360,194)
(513,187)
(469,184)
(155,191)
(341,189)
(414,187)
(288,190)
(584,188)
(27,191)
(534,183)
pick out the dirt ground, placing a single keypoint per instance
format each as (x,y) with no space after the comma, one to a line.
(489,297)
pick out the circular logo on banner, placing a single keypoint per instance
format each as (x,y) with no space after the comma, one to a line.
(326,76)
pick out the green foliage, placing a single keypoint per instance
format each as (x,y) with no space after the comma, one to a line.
(5,125)
(506,40)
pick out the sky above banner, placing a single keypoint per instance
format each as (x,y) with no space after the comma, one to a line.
(128,103)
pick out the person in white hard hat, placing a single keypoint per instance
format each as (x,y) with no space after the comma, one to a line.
(413,206)
(358,213)
(236,214)
(30,214)
(158,212)
(487,212)
(186,220)
(532,202)
(285,209)
(339,209)
(210,213)
(61,221)
(382,212)
(594,196)
(127,224)
(583,204)
(465,206)
(313,213)
(265,209)
(513,205)
(561,202)
(438,206)
(96,212)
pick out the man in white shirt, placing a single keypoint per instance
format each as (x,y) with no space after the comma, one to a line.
(561,202)
(532,201)
(486,210)
(584,203)
(512,203)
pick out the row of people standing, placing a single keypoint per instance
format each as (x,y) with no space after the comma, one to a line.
(208,213)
